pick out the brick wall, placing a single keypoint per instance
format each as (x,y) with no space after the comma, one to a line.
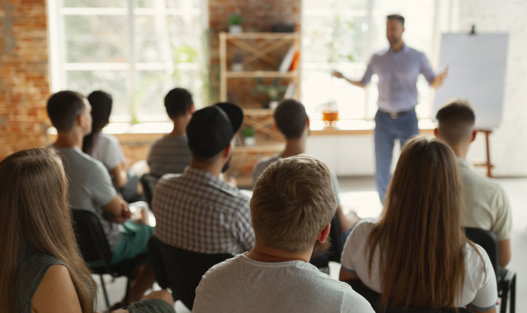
(24,85)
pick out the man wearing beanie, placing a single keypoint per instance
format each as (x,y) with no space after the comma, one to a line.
(196,210)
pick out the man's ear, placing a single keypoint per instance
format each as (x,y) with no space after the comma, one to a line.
(80,120)
(473,135)
(324,234)
(436,132)
(227,151)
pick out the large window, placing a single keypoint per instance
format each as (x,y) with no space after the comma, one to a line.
(343,34)
(134,49)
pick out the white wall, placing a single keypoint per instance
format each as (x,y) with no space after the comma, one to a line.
(354,155)
(509,142)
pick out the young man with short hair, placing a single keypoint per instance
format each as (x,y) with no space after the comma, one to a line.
(196,210)
(486,204)
(90,186)
(170,154)
(291,119)
(291,210)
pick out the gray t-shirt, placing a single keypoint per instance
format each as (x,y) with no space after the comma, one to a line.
(169,154)
(242,284)
(106,148)
(90,187)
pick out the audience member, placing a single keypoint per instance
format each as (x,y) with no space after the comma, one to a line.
(291,209)
(486,205)
(291,119)
(41,267)
(90,187)
(170,154)
(196,210)
(417,253)
(106,148)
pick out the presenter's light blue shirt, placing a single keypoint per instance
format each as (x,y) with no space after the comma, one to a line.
(398,73)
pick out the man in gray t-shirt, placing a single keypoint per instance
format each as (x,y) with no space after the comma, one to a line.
(90,186)
(290,215)
(170,153)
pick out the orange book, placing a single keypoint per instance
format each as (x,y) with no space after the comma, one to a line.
(296,59)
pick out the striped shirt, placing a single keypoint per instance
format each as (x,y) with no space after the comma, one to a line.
(197,211)
(169,154)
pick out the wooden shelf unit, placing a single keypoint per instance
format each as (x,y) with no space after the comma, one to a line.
(262,55)
(257,47)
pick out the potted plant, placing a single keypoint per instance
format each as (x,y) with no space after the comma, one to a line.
(237,62)
(272,91)
(235,23)
(249,136)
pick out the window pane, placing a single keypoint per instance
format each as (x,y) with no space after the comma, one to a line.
(113,82)
(161,39)
(177,4)
(153,85)
(91,38)
(95,3)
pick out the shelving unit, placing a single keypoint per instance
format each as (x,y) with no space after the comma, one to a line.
(262,56)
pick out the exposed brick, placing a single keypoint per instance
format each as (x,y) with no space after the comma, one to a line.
(24,84)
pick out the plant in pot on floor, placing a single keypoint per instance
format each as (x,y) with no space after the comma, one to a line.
(273,91)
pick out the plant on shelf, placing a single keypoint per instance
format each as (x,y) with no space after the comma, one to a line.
(273,92)
(235,23)
(249,136)
(237,62)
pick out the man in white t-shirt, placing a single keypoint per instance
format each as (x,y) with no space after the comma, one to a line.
(486,204)
(291,209)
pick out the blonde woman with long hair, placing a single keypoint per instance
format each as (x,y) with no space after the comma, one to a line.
(416,254)
(41,268)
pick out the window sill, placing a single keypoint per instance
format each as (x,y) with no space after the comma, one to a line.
(359,127)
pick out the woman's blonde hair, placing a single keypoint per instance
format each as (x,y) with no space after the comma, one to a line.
(419,235)
(34,213)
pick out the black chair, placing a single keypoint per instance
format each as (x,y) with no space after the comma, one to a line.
(374,298)
(149,181)
(334,252)
(95,248)
(181,270)
(506,279)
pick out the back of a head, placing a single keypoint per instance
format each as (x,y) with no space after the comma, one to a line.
(419,233)
(292,202)
(101,108)
(456,122)
(396,17)
(291,118)
(34,213)
(63,108)
(178,102)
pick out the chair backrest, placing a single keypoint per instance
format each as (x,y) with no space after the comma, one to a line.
(487,240)
(149,181)
(181,270)
(91,239)
(335,249)
(402,309)
(374,298)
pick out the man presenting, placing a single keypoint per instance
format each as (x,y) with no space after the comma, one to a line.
(397,68)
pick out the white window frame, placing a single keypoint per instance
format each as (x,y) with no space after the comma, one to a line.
(56,34)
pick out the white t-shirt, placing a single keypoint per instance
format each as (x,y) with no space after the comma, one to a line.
(479,287)
(244,285)
(106,149)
